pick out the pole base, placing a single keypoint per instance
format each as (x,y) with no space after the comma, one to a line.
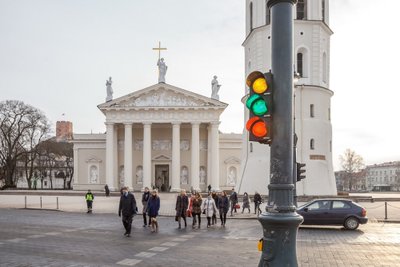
(279,241)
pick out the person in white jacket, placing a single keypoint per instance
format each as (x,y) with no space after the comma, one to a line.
(209,208)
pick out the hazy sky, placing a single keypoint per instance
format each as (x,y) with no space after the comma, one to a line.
(57,54)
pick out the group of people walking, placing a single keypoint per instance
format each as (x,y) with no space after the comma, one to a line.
(193,206)
(215,203)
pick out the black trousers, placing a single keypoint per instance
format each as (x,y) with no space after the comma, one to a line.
(89,204)
(145,219)
(127,222)
(198,218)
(222,216)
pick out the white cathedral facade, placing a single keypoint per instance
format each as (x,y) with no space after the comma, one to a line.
(162,137)
(312,96)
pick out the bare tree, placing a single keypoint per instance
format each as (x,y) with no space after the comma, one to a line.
(351,164)
(22,127)
(56,156)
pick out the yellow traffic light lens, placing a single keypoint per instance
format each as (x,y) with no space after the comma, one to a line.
(260,86)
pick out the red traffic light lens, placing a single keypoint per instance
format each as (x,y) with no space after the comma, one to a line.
(257,127)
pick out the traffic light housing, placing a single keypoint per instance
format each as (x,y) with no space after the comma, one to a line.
(259,103)
(300,171)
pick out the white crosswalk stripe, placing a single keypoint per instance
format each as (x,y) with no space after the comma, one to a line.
(169,244)
(129,262)
(145,254)
(159,249)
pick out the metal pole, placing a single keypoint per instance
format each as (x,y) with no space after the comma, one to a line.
(41,205)
(281,222)
(57,203)
(26,202)
(385,210)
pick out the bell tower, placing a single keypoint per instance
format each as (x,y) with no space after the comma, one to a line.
(312,96)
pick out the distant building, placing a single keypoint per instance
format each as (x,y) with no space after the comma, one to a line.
(64,131)
(383,177)
(350,182)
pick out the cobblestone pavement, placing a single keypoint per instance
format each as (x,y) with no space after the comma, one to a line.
(74,203)
(49,238)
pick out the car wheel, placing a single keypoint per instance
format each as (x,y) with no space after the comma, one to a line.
(351,223)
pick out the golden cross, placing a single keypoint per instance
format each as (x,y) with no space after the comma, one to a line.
(159,48)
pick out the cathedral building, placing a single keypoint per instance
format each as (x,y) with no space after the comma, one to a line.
(162,137)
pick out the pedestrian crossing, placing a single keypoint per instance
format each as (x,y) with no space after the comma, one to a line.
(161,248)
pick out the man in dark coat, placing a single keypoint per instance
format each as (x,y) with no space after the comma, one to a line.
(257,202)
(127,207)
(182,203)
(107,190)
(145,200)
(234,200)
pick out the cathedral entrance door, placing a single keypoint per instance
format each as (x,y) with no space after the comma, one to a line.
(162,177)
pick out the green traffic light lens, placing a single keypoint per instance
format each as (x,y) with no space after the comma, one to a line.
(257,105)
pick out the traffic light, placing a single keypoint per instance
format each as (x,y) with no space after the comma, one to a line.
(259,103)
(300,171)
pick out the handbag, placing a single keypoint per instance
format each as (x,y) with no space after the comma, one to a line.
(188,213)
(237,206)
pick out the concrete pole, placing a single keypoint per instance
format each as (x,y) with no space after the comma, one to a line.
(280,222)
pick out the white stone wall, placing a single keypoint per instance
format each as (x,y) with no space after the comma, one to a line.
(311,37)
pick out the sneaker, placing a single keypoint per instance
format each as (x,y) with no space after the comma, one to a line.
(144,225)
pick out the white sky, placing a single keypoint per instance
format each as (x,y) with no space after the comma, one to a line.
(57,55)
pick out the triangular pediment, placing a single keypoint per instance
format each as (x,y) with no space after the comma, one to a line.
(161,158)
(162,96)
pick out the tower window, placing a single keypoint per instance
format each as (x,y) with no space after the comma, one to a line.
(300,64)
(267,14)
(330,146)
(312,110)
(251,16)
(302,9)
(312,144)
(329,114)
(324,68)
(323,10)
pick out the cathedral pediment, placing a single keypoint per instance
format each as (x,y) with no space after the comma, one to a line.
(162,96)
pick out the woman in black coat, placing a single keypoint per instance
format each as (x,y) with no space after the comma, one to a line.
(182,204)
(223,207)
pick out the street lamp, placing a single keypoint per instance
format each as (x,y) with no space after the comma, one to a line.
(280,222)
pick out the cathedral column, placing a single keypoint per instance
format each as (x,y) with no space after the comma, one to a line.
(146,155)
(176,158)
(128,155)
(209,163)
(110,168)
(195,156)
(214,155)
